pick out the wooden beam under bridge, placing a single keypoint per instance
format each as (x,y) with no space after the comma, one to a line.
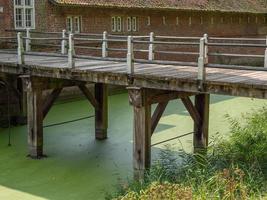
(38,107)
(144,124)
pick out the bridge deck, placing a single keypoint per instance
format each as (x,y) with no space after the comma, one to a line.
(236,82)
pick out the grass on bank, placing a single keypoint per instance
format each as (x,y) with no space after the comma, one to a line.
(233,168)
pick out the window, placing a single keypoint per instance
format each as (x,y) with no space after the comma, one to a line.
(148,21)
(73,24)
(129,24)
(116,24)
(132,24)
(164,20)
(77,25)
(24,14)
(119,24)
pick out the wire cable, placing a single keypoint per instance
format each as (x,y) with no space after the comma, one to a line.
(180,136)
(67,122)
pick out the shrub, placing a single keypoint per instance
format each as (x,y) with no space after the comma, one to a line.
(232,168)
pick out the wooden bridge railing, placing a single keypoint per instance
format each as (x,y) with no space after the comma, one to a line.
(68,43)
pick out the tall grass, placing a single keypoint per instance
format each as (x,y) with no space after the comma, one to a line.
(233,168)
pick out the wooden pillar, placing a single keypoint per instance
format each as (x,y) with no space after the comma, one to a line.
(141,132)
(35,118)
(201,129)
(101,112)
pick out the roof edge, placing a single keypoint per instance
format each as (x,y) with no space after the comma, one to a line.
(155,9)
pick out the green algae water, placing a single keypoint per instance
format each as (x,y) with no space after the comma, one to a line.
(78,166)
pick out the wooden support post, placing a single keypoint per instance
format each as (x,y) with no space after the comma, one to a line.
(28,40)
(265,55)
(142,132)
(20,50)
(101,113)
(105,45)
(201,129)
(71,52)
(64,43)
(151,49)
(130,55)
(35,119)
(202,61)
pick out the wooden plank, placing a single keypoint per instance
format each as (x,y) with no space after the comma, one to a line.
(201,129)
(35,120)
(88,95)
(48,103)
(157,115)
(101,113)
(141,132)
(191,109)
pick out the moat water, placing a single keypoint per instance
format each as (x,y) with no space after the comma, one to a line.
(78,166)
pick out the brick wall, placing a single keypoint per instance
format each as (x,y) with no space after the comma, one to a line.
(96,20)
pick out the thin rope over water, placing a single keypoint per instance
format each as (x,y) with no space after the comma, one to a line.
(180,136)
(67,122)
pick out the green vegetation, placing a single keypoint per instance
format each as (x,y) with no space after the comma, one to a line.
(232,168)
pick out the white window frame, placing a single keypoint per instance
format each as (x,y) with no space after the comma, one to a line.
(148,20)
(164,20)
(119,24)
(116,24)
(113,24)
(70,24)
(129,24)
(132,24)
(24,7)
(78,24)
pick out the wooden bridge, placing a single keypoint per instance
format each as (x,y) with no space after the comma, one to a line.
(148,81)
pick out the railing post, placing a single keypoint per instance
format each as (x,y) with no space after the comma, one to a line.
(71,53)
(64,43)
(206,61)
(130,55)
(265,56)
(28,40)
(151,53)
(20,49)
(201,64)
(105,45)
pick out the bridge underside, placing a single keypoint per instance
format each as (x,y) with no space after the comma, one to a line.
(150,84)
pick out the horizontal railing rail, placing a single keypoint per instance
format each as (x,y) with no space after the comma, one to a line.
(147,45)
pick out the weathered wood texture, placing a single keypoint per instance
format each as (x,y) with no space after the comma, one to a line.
(191,109)
(201,129)
(89,95)
(35,119)
(101,112)
(141,132)
(235,82)
(48,103)
(157,115)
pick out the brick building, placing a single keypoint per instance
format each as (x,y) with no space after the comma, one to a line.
(164,17)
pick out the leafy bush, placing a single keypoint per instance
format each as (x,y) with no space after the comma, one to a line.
(233,168)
